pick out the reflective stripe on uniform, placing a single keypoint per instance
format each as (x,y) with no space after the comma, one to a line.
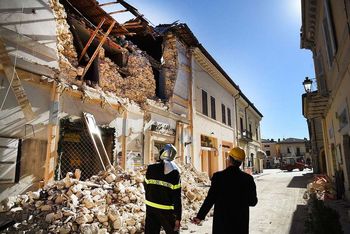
(159,206)
(163,183)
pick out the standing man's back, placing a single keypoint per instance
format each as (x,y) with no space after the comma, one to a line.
(232,192)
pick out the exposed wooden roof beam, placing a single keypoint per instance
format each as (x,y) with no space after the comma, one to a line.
(108,3)
(98,49)
(92,37)
(117,12)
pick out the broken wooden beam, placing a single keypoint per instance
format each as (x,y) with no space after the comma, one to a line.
(108,3)
(97,49)
(9,70)
(92,37)
(117,12)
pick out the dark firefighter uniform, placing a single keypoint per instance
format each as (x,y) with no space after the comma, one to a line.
(163,199)
(232,191)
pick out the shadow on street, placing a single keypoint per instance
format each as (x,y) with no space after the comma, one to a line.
(298,220)
(300,181)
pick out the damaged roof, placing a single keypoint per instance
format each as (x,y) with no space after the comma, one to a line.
(93,12)
(187,36)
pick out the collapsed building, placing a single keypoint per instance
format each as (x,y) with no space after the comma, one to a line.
(84,91)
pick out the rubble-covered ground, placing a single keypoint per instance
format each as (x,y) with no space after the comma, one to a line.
(322,187)
(110,202)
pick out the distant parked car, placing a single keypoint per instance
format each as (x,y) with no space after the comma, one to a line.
(289,164)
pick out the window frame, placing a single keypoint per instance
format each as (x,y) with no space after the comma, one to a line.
(229,118)
(205,103)
(328,32)
(212,107)
(223,113)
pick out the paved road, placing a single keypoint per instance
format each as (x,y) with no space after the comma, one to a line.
(281,208)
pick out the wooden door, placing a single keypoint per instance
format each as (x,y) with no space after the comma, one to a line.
(205,161)
(214,162)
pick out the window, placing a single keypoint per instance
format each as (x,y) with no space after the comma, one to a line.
(298,151)
(204,103)
(328,33)
(268,153)
(223,109)
(321,81)
(266,145)
(256,134)
(343,119)
(241,124)
(250,128)
(288,150)
(229,117)
(213,109)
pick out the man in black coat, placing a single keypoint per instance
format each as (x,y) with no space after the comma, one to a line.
(232,192)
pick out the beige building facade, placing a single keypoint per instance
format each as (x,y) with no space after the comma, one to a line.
(171,91)
(269,147)
(326,33)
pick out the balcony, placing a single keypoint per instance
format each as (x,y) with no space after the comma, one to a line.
(246,136)
(314,105)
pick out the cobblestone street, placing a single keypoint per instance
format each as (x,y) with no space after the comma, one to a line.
(281,207)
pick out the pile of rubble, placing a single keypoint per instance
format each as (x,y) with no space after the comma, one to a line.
(195,186)
(138,85)
(322,187)
(170,65)
(68,58)
(110,202)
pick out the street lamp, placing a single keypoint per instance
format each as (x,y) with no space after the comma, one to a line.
(307,84)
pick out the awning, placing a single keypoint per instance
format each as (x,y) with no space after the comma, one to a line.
(208,148)
(261,154)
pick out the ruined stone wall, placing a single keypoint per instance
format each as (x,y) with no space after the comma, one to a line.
(138,85)
(170,63)
(68,58)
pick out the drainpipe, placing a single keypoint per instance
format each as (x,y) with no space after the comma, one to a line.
(191,105)
(246,125)
(315,154)
(236,111)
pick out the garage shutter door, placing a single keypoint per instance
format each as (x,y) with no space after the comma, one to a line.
(8,159)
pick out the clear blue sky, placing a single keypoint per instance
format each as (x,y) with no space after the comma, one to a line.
(257,42)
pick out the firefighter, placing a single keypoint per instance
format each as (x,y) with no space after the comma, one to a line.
(163,193)
(232,191)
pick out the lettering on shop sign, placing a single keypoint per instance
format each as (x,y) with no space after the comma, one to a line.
(162,128)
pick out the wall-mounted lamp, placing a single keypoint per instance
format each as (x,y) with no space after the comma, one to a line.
(307,83)
(212,133)
(188,143)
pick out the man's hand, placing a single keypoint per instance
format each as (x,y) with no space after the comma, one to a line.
(177,225)
(196,220)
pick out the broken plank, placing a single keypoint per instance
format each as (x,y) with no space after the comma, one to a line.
(10,73)
(117,12)
(92,37)
(108,3)
(97,49)
(28,45)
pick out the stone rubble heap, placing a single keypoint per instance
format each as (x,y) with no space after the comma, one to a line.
(138,85)
(110,202)
(171,64)
(68,58)
(322,187)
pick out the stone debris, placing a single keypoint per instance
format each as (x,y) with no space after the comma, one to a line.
(68,58)
(139,83)
(110,202)
(322,187)
(171,64)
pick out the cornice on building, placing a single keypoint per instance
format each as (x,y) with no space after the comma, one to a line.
(205,63)
(308,28)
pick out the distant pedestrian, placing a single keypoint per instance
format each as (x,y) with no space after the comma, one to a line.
(163,194)
(232,191)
